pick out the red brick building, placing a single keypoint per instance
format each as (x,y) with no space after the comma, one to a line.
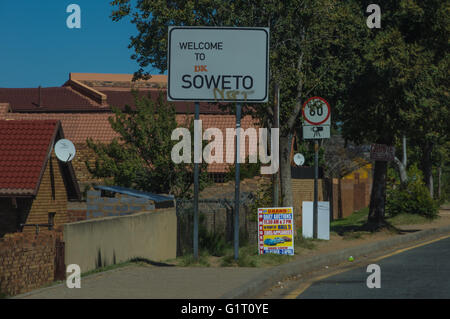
(84,104)
(34,186)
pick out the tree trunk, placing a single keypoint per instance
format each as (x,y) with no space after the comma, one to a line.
(440,181)
(276,176)
(428,167)
(340,210)
(430,183)
(285,170)
(402,171)
(405,157)
(402,165)
(378,195)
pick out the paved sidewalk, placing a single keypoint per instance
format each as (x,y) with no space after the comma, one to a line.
(147,281)
(153,282)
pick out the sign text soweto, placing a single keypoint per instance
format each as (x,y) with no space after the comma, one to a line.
(218,64)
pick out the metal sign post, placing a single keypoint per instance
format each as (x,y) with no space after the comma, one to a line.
(197,117)
(276,176)
(316,188)
(317,115)
(237,182)
(217,64)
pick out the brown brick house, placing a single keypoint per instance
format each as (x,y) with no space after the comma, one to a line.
(84,103)
(34,186)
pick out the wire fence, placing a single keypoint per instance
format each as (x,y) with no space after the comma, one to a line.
(216,223)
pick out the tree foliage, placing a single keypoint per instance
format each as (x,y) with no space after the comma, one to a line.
(381,83)
(410,198)
(314,48)
(403,86)
(141,157)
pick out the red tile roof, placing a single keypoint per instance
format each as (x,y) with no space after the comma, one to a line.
(66,99)
(223,122)
(117,88)
(24,147)
(114,80)
(80,126)
(52,99)
(82,117)
(77,126)
(120,98)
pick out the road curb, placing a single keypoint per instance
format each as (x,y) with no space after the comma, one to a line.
(272,276)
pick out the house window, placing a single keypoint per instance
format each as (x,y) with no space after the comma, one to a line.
(51,220)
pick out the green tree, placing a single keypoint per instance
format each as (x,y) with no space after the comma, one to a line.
(411,197)
(141,156)
(315,49)
(429,30)
(400,83)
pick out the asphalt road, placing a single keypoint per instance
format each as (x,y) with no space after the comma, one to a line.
(418,273)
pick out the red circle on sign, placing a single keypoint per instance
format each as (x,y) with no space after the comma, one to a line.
(323,100)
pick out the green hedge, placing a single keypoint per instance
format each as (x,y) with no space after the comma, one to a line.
(412,198)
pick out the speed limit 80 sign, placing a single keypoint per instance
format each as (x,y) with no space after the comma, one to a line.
(316,111)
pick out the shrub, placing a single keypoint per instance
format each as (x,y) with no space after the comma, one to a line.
(445,186)
(263,198)
(412,198)
(246,170)
(214,243)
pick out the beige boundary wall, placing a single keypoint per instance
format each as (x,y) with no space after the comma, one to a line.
(105,241)
(303,190)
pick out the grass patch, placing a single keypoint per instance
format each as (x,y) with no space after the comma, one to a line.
(3,296)
(189,260)
(274,259)
(354,235)
(249,257)
(353,222)
(106,268)
(244,260)
(355,226)
(132,261)
(301,242)
(408,219)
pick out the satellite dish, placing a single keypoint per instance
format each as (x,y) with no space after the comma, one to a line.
(299,159)
(65,150)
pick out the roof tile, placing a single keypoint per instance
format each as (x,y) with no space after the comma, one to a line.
(50,99)
(23,144)
(80,126)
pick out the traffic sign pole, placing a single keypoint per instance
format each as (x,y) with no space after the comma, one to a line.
(237,182)
(316,188)
(276,176)
(196,169)
(219,47)
(316,112)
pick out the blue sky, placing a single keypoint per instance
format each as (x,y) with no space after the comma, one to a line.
(37,48)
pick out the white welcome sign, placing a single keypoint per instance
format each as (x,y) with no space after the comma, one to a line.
(218,64)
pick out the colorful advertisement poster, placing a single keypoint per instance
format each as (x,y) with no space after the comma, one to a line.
(276,231)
